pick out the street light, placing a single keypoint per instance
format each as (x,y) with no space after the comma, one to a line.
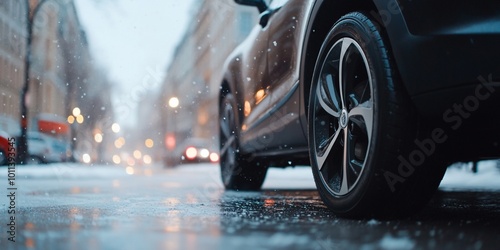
(173,102)
(76,111)
(98,137)
(115,127)
(149,143)
(76,116)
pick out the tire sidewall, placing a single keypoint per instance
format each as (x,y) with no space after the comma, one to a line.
(228,99)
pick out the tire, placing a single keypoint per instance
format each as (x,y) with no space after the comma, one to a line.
(361,124)
(35,160)
(237,171)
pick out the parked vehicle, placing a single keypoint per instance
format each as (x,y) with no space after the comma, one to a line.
(46,149)
(377,96)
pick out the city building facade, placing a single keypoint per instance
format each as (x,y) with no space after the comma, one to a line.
(62,73)
(194,74)
(13,32)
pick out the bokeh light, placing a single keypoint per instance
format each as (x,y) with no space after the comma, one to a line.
(147,159)
(137,154)
(115,127)
(117,159)
(149,143)
(86,158)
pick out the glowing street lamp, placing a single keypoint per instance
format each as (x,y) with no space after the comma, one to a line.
(76,115)
(149,143)
(173,102)
(71,119)
(98,137)
(115,127)
(77,112)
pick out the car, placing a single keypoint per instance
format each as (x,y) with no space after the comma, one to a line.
(46,149)
(193,150)
(377,96)
(197,150)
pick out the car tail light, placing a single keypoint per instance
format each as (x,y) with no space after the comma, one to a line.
(214,157)
(191,153)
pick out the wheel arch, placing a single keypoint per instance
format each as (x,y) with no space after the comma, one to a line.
(230,79)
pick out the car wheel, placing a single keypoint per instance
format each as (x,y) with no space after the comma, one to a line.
(3,158)
(360,124)
(34,160)
(238,172)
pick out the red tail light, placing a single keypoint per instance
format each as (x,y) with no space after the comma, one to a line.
(191,153)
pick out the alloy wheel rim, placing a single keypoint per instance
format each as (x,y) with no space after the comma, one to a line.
(343,117)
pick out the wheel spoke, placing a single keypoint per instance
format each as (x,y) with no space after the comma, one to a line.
(322,158)
(224,126)
(344,188)
(364,110)
(325,106)
(345,43)
(227,144)
(330,87)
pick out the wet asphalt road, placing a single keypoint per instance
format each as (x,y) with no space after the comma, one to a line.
(83,207)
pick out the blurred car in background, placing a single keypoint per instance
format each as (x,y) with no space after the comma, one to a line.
(196,150)
(47,149)
(193,150)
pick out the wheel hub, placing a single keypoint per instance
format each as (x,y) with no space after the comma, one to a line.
(343,119)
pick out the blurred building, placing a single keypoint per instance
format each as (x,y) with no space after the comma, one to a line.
(13,35)
(193,76)
(62,73)
(49,90)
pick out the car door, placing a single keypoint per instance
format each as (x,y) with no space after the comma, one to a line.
(276,77)
(285,38)
(255,79)
(283,43)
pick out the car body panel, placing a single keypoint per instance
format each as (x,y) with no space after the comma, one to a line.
(424,47)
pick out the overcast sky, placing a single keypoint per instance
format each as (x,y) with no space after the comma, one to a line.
(132,38)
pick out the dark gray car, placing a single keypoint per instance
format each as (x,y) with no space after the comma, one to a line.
(379,97)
